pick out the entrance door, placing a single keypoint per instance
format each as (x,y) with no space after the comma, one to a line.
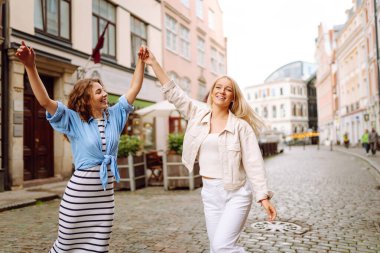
(38,134)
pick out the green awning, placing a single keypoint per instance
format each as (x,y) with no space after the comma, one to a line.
(113,99)
(138,104)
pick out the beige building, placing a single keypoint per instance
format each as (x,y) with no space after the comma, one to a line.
(63,34)
(3,126)
(357,75)
(327,96)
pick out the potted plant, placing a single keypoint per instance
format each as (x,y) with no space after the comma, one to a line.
(131,163)
(175,142)
(128,145)
(174,167)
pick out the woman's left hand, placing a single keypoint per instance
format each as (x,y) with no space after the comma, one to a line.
(269,208)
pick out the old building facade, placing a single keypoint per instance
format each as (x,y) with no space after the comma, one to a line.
(63,34)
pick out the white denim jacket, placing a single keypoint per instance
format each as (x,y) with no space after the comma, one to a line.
(239,151)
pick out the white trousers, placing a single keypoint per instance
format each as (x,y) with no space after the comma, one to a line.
(226,213)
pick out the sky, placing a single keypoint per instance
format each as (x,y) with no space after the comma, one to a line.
(263,35)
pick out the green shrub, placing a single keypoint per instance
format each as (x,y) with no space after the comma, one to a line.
(128,145)
(175,142)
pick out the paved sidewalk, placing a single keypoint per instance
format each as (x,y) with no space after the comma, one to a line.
(30,196)
(373,160)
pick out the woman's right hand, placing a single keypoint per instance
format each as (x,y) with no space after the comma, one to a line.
(146,55)
(26,55)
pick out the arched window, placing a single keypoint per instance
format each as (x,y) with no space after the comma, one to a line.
(186,84)
(265,112)
(173,76)
(274,111)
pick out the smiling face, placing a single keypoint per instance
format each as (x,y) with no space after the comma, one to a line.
(98,98)
(222,93)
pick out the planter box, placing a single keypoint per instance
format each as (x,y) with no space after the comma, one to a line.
(176,174)
(132,173)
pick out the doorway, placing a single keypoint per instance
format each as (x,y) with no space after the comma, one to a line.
(38,134)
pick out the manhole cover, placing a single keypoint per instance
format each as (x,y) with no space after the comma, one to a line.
(279,227)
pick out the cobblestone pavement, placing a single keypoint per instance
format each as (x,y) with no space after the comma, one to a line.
(333,197)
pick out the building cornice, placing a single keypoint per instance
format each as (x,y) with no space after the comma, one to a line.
(67,49)
(176,12)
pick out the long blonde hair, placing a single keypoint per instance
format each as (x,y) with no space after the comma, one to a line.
(240,107)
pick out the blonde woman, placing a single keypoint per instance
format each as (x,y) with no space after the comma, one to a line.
(223,136)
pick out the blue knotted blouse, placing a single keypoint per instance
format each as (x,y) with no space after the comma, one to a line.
(85,138)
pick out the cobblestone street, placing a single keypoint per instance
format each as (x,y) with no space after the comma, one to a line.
(333,197)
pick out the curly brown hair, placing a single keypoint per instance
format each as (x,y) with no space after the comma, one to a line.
(80,97)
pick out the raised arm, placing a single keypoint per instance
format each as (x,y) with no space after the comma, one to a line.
(173,93)
(27,57)
(149,58)
(137,80)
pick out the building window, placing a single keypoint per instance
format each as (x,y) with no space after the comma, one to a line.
(199,9)
(53,17)
(103,13)
(281,92)
(256,95)
(282,110)
(274,111)
(138,37)
(202,91)
(265,112)
(214,60)
(201,52)
(186,3)
(211,19)
(186,85)
(221,66)
(173,76)
(273,92)
(184,44)
(171,33)
(294,110)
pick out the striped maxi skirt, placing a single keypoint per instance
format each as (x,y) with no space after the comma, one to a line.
(85,214)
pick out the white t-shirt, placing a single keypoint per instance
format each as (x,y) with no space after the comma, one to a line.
(209,161)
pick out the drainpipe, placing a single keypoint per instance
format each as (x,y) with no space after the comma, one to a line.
(5,95)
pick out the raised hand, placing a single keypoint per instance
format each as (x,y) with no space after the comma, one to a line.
(146,55)
(26,55)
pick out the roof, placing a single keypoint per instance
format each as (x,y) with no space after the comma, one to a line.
(298,70)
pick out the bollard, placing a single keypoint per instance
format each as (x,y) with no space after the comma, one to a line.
(331,146)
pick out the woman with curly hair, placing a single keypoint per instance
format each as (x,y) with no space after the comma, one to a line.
(93,128)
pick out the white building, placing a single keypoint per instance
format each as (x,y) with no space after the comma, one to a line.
(281,101)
